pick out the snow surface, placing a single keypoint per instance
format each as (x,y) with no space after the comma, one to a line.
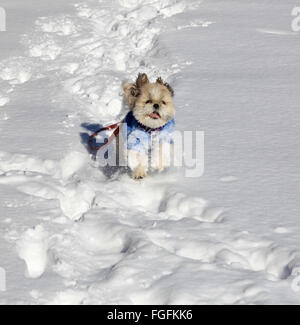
(72,233)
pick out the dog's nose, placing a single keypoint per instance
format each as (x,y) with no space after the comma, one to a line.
(156,106)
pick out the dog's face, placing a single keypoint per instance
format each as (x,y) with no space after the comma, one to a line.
(152,102)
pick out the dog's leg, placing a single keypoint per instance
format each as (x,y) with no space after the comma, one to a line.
(138,163)
(139,172)
(166,153)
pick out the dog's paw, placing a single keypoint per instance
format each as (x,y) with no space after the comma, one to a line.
(139,173)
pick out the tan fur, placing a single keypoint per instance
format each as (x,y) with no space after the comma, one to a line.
(160,81)
(130,93)
(141,96)
(141,80)
(139,163)
(139,172)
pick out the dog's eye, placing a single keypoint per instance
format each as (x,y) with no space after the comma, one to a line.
(149,102)
(164,102)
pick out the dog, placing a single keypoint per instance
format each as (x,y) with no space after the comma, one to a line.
(150,125)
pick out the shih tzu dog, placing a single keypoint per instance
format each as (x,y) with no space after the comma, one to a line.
(150,124)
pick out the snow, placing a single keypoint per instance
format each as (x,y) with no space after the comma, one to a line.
(32,248)
(74,233)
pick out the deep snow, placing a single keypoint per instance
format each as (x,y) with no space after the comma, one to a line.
(72,235)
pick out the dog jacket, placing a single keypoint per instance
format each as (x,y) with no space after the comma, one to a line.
(140,137)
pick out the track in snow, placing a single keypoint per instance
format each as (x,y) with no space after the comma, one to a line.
(99,240)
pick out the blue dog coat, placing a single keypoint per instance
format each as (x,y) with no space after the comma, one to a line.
(139,137)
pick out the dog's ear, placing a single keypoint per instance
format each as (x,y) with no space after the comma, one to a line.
(160,81)
(141,80)
(130,93)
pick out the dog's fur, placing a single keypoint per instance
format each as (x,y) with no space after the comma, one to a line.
(152,106)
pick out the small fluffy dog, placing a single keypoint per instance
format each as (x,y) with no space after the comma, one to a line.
(150,124)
